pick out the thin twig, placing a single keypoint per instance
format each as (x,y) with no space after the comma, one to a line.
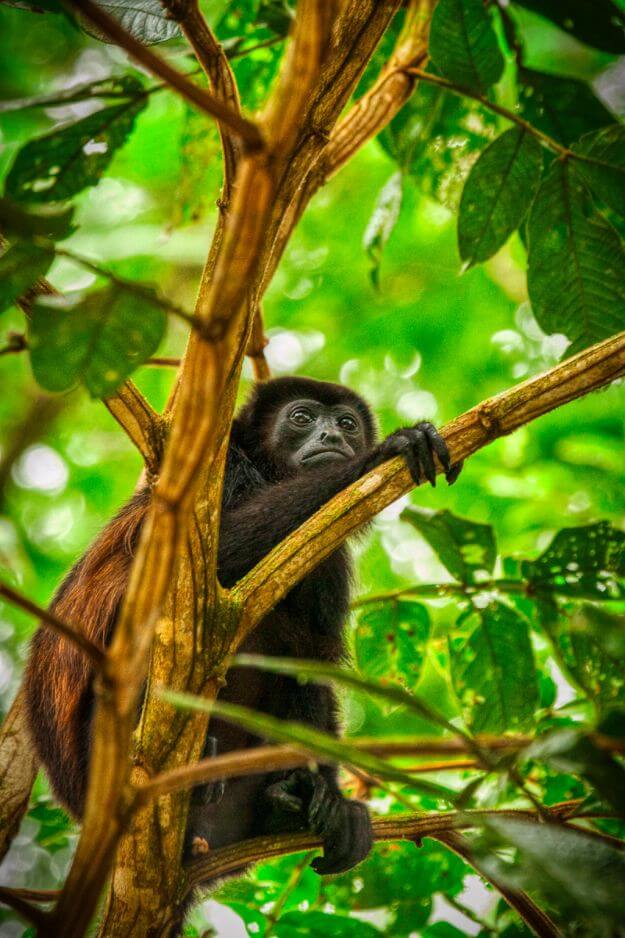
(544,138)
(245,129)
(94,652)
(22,906)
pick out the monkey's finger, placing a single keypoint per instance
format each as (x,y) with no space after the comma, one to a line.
(281,798)
(437,443)
(424,452)
(408,451)
(336,833)
(454,472)
(319,803)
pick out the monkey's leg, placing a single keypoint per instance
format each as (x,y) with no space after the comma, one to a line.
(307,800)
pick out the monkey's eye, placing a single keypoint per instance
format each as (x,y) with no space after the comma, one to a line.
(301,417)
(347,423)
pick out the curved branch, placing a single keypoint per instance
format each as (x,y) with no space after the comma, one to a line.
(18,769)
(392,827)
(246,130)
(299,553)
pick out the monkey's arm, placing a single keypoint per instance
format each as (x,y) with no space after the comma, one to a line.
(252,528)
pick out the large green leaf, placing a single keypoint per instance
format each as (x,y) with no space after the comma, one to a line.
(576,265)
(463,44)
(60,164)
(602,165)
(391,640)
(573,752)
(45,221)
(382,222)
(600,24)
(573,869)
(586,562)
(436,137)
(98,339)
(21,265)
(497,194)
(146,20)
(466,548)
(564,108)
(313,740)
(493,671)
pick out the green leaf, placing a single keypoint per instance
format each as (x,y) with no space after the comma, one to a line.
(497,194)
(311,924)
(602,165)
(98,339)
(563,108)
(124,86)
(436,137)
(46,221)
(600,24)
(464,547)
(313,740)
(21,265)
(328,673)
(576,264)
(57,166)
(146,20)
(391,640)
(585,562)
(573,869)
(463,44)
(493,670)
(382,222)
(573,752)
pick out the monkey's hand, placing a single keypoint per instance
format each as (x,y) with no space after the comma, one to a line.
(344,825)
(417,445)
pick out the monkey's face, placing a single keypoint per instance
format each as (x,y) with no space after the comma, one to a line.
(305,434)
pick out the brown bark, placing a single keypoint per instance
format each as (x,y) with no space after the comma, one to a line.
(18,768)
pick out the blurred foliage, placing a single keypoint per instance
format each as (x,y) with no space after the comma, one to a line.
(512,614)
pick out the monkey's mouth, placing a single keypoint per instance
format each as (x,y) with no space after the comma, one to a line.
(324,455)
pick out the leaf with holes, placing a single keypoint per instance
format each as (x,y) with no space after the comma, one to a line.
(493,670)
(146,20)
(46,221)
(576,871)
(600,24)
(98,339)
(497,194)
(124,86)
(576,264)
(436,138)
(601,164)
(464,547)
(57,166)
(587,562)
(391,641)
(382,222)
(463,44)
(21,265)
(563,108)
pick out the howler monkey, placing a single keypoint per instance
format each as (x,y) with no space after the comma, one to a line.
(294,444)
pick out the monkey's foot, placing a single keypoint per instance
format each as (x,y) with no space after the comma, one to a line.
(344,825)
(199,847)
(418,445)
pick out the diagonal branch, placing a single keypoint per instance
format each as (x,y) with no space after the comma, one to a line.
(18,769)
(214,61)
(246,130)
(94,652)
(299,553)
(141,423)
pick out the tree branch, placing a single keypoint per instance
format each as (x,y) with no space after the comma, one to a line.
(246,130)
(213,60)
(391,827)
(94,652)
(141,423)
(291,560)
(18,769)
